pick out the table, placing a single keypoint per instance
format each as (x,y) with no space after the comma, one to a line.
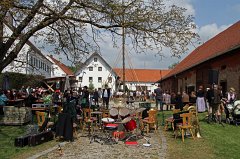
(15,102)
(16,115)
(39,101)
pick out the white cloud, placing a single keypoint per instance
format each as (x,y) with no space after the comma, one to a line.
(209,31)
(149,60)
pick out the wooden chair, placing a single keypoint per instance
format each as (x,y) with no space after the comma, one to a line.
(105,113)
(88,119)
(185,125)
(151,120)
(80,121)
(170,120)
(138,117)
(41,119)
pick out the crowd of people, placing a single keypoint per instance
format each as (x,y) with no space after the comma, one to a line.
(211,100)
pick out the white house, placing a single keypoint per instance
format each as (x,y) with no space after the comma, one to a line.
(141,79)
(58,68)
(97,71)
(30,60)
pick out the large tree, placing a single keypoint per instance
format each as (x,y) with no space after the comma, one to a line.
(75,27)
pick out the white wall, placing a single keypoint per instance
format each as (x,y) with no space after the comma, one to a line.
(26,66)
(56,70)
(132,85)
(105,73)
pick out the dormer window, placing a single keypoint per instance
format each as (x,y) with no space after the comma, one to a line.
(90,68)
(95,59)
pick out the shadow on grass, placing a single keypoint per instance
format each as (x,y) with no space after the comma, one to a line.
(216,142)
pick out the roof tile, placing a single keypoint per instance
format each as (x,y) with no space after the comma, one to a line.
(218,45)
(62,66)
(141,75)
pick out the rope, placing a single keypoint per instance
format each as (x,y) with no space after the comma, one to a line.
(131,67)
(109,75)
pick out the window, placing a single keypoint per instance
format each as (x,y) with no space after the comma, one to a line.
(31,61)
(90,68)
(48,69)
(95,59)
(99,68)
(37,63)
(80,79)
(110,79)
(90,79)
(44,66)
(99,79)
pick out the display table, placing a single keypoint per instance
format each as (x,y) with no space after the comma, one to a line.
(15,115)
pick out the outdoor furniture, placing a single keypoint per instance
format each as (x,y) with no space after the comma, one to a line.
(15,102)
(39,101)
(105,113)
(151,120)
(170,106)
(170,120)
(98,116)
(185,125)
(88,120)
(15,115)
(80,121)
(41,117)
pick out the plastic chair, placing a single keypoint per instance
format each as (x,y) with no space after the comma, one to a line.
(185,125)
(151,120)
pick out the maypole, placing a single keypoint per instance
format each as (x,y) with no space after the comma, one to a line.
(123,46)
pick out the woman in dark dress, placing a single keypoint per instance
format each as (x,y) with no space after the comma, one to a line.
(178,101)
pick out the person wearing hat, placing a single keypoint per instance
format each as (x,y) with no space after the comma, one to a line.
(231,97)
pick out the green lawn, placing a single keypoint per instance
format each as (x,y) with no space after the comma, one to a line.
(216,142)
(7,136)
(7,148)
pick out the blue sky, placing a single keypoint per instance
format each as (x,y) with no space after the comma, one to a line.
(211,18)
(221,12)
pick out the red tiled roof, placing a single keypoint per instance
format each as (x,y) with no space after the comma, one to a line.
(62,66)
(141,75)
(218,45)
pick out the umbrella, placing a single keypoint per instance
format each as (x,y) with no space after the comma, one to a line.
(6,82)
(67,83)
